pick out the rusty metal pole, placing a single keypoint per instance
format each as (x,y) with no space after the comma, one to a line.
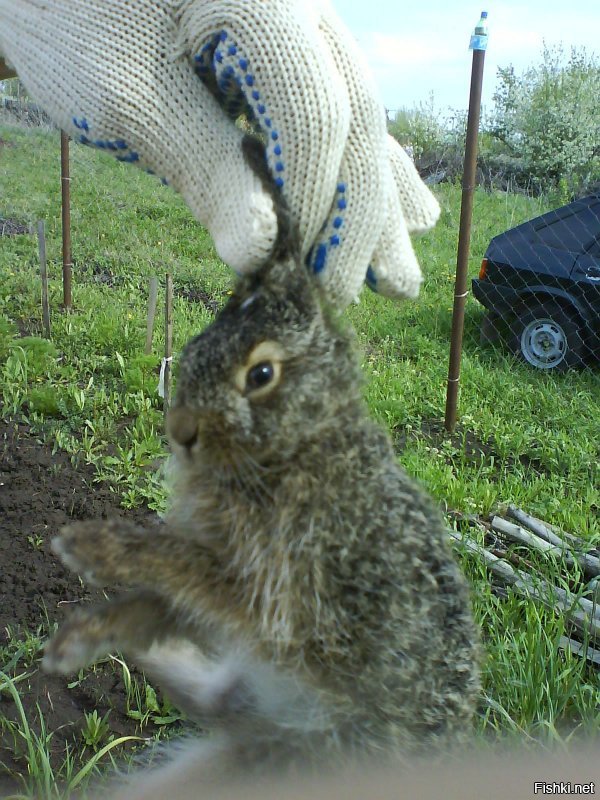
(464,235)
(66,218)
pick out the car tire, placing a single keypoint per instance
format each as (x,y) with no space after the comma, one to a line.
(548,338)
(490,329)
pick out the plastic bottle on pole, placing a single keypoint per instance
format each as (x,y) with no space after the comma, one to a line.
(481,27)
(479,39)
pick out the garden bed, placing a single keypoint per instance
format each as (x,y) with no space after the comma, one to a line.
(39,492)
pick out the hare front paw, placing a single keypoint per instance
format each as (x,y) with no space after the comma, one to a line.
(101,551)
(77,644)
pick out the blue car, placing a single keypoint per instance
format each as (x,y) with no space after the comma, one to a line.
(540,283)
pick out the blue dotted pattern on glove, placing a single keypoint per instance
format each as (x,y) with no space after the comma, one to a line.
(226,71)
(104,144)
(120,146)
(317,257)
(234,87)
(371,279)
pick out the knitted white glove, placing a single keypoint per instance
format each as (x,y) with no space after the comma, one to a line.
(122,75)
(411,208)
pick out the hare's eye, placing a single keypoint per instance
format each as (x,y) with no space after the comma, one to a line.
(259,375)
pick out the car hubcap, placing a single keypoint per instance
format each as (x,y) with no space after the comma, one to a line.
(543,343)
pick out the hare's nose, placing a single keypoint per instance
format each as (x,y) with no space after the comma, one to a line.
(182,426)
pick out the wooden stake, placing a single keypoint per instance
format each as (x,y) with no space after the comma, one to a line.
(152,300)
(44,273)
(65,179)
(168,341)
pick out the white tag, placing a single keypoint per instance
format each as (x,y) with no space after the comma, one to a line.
(161,377)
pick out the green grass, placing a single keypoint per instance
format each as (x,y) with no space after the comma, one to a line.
(93,393)
(550,422)
(42,778)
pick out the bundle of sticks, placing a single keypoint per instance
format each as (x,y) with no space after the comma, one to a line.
(510,566)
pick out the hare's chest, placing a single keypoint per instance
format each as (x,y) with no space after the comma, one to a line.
(208,516)
(264,571)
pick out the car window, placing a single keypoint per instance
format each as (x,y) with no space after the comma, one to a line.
(574,232)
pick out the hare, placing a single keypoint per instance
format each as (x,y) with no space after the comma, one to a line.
(301,599)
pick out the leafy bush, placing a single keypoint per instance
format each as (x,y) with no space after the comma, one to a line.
(543,133)
(141,374)
(38,354)
(547,123)
(44,400)
(436,140)
(422,128)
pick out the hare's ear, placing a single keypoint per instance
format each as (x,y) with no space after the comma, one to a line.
(283,274)
(289,278)
(287,244)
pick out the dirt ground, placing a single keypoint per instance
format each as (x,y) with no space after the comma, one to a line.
(39,492)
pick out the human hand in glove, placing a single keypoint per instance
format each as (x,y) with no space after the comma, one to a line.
(160,83)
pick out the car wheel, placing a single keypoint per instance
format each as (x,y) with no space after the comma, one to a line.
(548,338)
(490,328)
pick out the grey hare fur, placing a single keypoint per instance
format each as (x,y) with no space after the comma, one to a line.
(301,599)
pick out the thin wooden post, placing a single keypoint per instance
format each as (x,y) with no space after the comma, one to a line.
(44,274)
(168,341)
(65,179)
(152,300)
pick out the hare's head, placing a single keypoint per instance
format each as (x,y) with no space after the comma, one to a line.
(267,374)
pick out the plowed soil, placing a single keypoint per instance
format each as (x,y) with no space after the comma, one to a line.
(39,492)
